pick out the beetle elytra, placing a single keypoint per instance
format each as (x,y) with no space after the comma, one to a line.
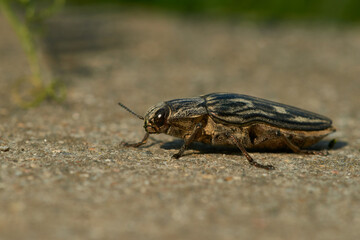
(247,122)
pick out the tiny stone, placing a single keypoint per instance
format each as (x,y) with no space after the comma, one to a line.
(4,148)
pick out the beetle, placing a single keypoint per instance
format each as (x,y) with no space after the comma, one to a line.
(231,119)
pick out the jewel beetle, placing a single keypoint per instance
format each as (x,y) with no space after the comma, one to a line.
(231,119)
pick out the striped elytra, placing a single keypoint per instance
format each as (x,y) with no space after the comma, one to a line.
(243,110)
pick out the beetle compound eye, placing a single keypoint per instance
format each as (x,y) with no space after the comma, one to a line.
(160,117)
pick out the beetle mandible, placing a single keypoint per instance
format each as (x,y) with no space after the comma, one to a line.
(247,122)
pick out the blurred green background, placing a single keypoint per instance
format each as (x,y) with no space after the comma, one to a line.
(27,18)
(266,10)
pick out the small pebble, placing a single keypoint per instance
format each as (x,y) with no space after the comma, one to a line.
(4,148)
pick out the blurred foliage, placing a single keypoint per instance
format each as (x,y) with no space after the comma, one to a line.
(27,18)
(265,10)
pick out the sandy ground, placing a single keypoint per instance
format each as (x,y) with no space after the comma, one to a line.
(64,174)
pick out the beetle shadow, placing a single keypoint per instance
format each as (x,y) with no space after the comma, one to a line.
(323,145)
(326,145)
(202,148)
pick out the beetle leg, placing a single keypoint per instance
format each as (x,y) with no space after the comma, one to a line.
(296,149)
(247,155)
(142,142)
(188,141)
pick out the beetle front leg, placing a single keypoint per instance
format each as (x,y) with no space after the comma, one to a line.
(142,142)
(188,141)
(247,155)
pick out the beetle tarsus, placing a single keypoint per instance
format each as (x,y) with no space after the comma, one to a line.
(176,156)
(248,157)
(142,142)
(314,152)
(258,165)
(296,149)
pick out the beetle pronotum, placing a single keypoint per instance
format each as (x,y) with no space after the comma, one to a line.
(249,123)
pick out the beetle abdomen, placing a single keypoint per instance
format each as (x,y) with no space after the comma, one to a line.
(242,110)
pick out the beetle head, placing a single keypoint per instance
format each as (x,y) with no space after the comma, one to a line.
(156,118)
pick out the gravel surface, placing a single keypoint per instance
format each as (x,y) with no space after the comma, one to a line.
(65,175)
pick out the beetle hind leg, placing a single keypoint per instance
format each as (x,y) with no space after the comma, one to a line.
(297,149)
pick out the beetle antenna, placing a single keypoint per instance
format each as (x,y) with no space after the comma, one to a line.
(130,111)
